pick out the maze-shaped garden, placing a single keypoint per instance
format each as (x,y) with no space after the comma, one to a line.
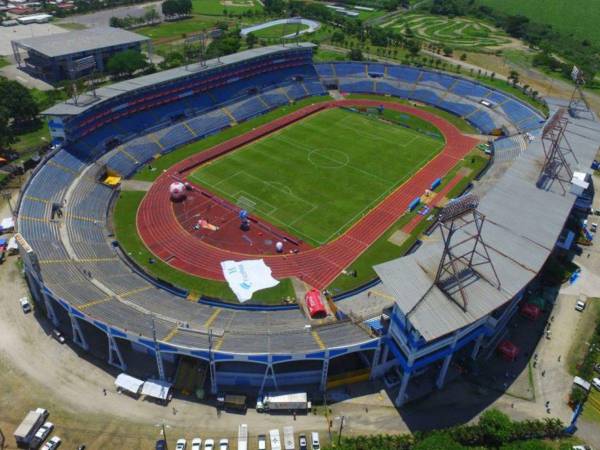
(456,32)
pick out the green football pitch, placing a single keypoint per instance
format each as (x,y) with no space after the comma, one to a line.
(318,176)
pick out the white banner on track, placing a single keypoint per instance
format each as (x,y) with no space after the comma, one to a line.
(247,277)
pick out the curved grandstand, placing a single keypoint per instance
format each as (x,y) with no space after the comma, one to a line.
(78,277)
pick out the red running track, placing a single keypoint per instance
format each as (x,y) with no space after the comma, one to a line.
(169,241)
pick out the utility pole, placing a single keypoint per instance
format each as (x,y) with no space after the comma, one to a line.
(342,420)
(6,195)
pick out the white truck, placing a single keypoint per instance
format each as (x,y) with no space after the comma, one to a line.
(288,438)
(275,439)
(31,423)
(242,437)
(283,402)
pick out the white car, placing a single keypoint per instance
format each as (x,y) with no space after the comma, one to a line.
(196,444)
(580,305)
(262,442)
(596,383)
(209,444)
(43,432)
(52,444)
(181,444)
(224,444)
(25,305)
(316,445)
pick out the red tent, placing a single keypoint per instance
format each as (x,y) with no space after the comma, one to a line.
(530,311)
(315,304)
(508,350)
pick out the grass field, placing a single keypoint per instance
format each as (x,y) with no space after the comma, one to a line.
(217,7)
(579,18)
(316,177)
(458,32)
(178,29)
(276,31)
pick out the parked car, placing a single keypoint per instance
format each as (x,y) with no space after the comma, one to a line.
(580,305)
(262,442)
(25,305)
(43,432)
(58,336)
(52,444)
(161,444)
(196,444)
(181,444)
(596,383)
(224,444)
(315,441)
(302,443)
(209,444)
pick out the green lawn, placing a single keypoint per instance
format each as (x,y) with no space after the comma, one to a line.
(578,17)
(315,178)
(126,231)
(32,139)
(4,62)
(216,7)
(166,161)
(179,28)
(276,31)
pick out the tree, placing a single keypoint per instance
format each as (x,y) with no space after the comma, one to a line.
(6,134)
(463,57)
(172,59)
(513,76)
(438,440)
(495,427)
(338,37)
(527,445)
(448,51)
(251,40)
(413,46)
(126,63)
(355,55)
(19,103)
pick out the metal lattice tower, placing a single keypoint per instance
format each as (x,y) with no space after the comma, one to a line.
(159,361)
(460,224)
(557,151)
(578,103)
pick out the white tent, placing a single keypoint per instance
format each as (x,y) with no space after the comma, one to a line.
(157,389)
(7,224)
(128,383)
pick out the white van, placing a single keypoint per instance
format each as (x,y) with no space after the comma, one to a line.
(275,439)
(315,441)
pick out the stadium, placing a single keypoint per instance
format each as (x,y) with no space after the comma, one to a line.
(308,193)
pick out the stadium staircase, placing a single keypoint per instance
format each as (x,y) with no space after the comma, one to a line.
(228,113)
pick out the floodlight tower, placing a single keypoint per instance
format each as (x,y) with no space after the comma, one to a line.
(578,102)
(557,151)
(460,224)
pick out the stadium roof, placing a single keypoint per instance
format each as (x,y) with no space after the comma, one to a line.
(104,93)
(63,44)
(522,225)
